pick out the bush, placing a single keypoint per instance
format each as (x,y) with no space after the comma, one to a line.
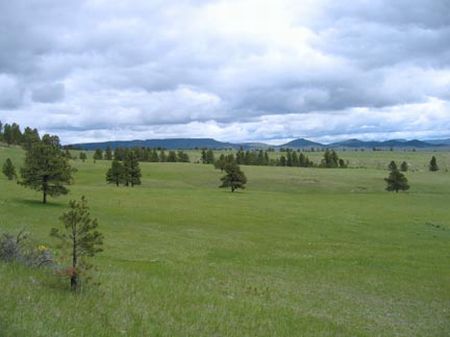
(20,248)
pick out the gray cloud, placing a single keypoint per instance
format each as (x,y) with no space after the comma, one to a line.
(234,70)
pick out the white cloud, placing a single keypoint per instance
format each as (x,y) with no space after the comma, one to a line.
(233,70)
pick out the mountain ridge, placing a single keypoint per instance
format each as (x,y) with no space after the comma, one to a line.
(194,143)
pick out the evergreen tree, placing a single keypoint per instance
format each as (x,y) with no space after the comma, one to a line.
(210,157)
(108,153)
(182,157)
(9,170)
(29,137)
(162,156)
(16,134)
(115,174)
(330,159)
(172,157)
(404,167)
(98,155)
(433,164)
(234,177)
(396,181)
(7,134)
(154,156)
(83,156)
(289,158)
(46,168)
(392,166)
(132,172)
(240,156)
(342,163)
(79,237)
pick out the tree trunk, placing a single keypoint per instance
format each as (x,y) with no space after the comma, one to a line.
(74,275)
(74,281)
(44,190)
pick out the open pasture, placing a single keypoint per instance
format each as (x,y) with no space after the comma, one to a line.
(300,252)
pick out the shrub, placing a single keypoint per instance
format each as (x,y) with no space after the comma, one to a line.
(20,248)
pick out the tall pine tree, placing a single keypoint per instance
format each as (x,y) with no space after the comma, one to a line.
(46,169)
(132,171)
(115,174)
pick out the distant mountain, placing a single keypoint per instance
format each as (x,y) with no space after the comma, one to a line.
(192,143)
(438,141)
(301,143)
(394,143)
(171,143)
(353,143)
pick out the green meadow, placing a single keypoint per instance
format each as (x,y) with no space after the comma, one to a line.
(300,252)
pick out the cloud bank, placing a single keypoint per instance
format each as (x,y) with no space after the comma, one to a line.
(234,70)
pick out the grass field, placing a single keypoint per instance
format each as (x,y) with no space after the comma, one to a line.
(301,252)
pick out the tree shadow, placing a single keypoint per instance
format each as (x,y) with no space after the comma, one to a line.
(35,202)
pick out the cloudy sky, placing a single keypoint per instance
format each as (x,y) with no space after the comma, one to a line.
(234,70)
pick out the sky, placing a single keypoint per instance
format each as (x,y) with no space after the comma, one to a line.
(234,70)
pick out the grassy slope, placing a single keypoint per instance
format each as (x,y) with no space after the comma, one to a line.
(302,252)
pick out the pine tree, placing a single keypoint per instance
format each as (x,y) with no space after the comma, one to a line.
(182,157)
(210,157)
(46,168)
(115,174)
(234,177)
(80,237)
(132,172)
(83,156)
(396,181)
(172,157)
(392,166)
(29,137)
(108,153)
(98,155)
(433,164)
(7,134)
(9,170)
(404,167)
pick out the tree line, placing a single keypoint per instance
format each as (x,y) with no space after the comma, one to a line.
(11,134)
(289,158)
(143,154)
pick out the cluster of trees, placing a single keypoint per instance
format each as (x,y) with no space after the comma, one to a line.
(396,181)
(207,156)
(289,158)
(46,167)
(126,172)
(11,134)
(259,158)
(332,160)
(143,154)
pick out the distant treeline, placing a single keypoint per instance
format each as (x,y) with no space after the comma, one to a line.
(288,158)
(11,134)
(143,154)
